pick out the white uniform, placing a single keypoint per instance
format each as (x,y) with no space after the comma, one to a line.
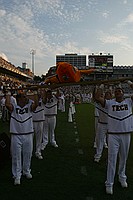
(119,128)
(21,129)
(4,109)
(50,110)
(38,121)
(96,115)
(61,103)
(101,131)
(13,100)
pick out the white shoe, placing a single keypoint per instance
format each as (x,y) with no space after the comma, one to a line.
(105,146)
(123,184)
(28,176)
(95,146)
(43,147)
(55,145)
(109,190)
(38,155)
(17,181)
(97,160)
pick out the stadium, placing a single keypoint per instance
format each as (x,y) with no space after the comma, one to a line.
(67,172)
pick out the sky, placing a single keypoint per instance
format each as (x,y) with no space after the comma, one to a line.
(54,27)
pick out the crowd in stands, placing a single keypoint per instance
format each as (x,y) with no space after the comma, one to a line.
(7,82)
(76,94)
(80,92)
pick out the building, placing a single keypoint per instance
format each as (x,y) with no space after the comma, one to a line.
(24,65)
(103,63)
(26,70)
(122,71)
(76,60)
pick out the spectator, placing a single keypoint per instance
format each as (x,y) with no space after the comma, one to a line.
(3,109)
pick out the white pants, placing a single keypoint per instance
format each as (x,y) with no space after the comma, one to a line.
(38,128)
(21,152)
(118,144)
(63,107)
(96,124)
(100,136)
(48,130)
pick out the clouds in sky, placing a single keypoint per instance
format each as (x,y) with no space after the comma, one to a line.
(54,27)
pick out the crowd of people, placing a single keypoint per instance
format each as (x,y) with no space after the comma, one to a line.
(36,117)
(32,115)
(7,82)
(29,117)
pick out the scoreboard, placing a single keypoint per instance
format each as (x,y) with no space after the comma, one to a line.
(102,62)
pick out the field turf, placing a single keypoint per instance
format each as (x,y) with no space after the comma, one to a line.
(68,172)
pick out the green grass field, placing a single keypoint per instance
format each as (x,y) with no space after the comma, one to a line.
(67,172)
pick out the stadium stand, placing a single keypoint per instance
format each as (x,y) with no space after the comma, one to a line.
(9,69)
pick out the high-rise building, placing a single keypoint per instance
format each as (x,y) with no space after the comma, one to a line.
(76,60)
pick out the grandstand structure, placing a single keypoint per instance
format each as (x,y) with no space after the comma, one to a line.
(7,68)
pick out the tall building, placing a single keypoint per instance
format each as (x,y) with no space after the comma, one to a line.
(76,60)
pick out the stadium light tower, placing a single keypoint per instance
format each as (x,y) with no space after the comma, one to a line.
(33,52)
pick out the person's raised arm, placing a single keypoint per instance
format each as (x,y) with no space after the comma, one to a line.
(35,103)
(98,96)
(130,83)
(8,104)
(57,94)
(44,96)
